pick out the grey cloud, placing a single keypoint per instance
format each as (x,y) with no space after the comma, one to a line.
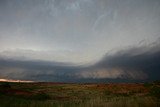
(78,25)
(134,64)
(114,73)
(35,70)
(138,62)
(79,31)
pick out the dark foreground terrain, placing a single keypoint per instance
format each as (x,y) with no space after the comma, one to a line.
(79,95)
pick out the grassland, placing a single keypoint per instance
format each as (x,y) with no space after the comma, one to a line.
(79,95)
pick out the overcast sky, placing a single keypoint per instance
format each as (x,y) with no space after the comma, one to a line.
(77,31)
(80,40)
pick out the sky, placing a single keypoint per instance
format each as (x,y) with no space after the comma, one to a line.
(84,38)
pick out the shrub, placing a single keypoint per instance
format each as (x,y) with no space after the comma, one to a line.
(41,96)
(5,85)
(155,91)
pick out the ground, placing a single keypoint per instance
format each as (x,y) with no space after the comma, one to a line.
(79,95)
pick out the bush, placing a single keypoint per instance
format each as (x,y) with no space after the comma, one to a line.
(155,91)
(41,96)
(147,84)
(5,85)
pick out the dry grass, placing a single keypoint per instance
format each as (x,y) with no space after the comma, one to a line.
(79,95)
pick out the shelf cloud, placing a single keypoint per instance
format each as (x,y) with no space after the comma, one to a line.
(80,40)
(136,63)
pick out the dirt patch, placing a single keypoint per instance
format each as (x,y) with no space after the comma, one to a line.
(16,92)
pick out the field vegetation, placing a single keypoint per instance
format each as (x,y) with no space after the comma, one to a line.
(79,95)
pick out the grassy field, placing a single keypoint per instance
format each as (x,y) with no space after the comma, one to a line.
(79,95)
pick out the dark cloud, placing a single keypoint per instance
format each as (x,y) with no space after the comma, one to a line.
(134,64)
(35,70)
(78,27)
(142,62)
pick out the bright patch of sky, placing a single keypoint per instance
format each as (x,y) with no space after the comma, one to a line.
(78,31)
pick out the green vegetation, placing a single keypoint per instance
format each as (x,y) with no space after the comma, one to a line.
(79,95)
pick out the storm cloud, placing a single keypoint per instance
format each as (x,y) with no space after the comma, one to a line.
(71,30)
(133,64)
(80,40)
